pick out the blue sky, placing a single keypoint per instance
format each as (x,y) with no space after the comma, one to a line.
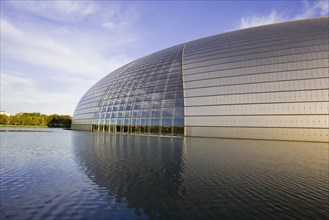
(52,52)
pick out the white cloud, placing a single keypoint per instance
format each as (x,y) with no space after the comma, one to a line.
(311,9)
(109,25)
(66,11)
(58,62)
(22,95)
(43,50)
(119,19)
(258,20)
(320,7)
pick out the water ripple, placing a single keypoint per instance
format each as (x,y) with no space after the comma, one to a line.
(82,175)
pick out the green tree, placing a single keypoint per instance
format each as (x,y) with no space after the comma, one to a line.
(5,119)
(36,119)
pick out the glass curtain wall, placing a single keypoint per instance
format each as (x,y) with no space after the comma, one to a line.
(145,98)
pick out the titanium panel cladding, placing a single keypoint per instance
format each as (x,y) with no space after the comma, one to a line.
(267,82)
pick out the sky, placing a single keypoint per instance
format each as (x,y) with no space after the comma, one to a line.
(52,52)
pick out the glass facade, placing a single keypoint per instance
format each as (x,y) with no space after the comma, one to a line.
(267,82)
(143,97)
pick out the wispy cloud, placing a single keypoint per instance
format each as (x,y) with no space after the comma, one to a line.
(66,11)
(309,10)
(258,20)
(320,7)
(59,57)
(25,96)
(81,58)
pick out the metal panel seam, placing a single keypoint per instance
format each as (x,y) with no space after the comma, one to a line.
(184,95)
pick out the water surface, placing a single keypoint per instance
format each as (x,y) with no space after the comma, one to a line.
(66,174)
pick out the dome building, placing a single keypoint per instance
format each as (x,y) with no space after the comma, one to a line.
(268,82)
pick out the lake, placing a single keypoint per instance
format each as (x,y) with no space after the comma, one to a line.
(64,174)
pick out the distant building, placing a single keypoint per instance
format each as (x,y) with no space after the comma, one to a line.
(267,82)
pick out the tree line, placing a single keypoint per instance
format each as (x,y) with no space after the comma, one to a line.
(36,119)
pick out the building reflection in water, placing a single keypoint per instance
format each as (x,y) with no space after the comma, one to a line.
(202,178)
(142,171)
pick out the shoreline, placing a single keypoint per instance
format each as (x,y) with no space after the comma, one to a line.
(32,126)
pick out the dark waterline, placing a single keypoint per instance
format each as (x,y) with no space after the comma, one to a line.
(81,175)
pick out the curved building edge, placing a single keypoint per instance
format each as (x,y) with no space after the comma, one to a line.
(269,82)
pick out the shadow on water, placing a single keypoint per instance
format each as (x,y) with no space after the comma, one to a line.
(143,171)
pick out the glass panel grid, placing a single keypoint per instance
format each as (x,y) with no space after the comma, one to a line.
(145,97)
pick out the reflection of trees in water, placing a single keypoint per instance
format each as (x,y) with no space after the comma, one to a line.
(142,171)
